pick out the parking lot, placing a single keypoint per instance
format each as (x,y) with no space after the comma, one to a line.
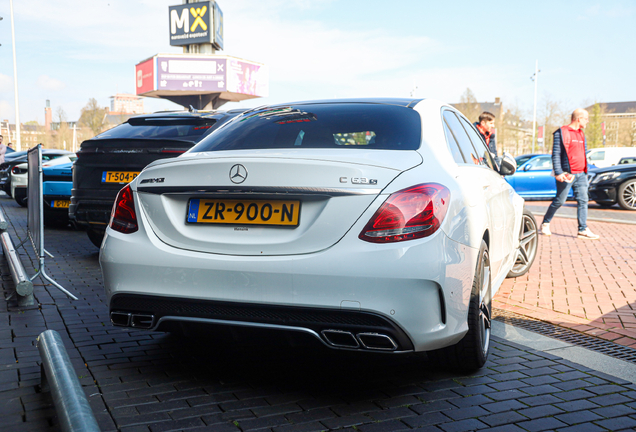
(142,381)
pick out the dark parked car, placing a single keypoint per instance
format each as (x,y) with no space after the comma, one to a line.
(615,184)
(115,157)
(17,158)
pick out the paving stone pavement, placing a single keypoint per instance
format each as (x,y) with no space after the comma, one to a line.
(585,285)
(157,382)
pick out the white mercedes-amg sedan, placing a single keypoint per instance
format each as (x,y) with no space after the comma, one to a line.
(379,225)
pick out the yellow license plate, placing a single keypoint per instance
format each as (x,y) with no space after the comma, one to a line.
(61,203)
(244,212)
(119,176)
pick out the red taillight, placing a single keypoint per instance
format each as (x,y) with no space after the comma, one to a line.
(408,214)
(123,217)
(16,170)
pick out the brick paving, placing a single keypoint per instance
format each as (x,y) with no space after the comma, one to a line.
(156,382)
(585,285)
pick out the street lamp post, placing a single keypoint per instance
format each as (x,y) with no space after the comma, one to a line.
(535,78)
(18,144)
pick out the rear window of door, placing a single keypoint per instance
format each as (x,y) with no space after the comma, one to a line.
(470,155)
(452,144)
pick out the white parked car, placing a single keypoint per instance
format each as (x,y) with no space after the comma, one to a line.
(20,177)
(608,156)
(379,225)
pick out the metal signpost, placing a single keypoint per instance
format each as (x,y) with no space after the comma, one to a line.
(35,226)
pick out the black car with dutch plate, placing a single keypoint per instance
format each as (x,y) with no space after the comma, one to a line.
(115,157)
(615,184)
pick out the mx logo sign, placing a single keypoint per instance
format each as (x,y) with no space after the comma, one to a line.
(198,14)
(191,23)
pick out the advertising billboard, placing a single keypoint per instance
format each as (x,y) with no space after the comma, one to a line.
(201,74)
(247,77)
(145,76)
(218,27)
(191,23)
(201,79)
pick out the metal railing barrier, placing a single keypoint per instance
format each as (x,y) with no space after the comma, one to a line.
(23,285)
(58,376)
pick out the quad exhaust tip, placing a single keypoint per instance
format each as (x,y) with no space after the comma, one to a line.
(377,341)
(126,319)
(370,341)
(341,338)
(120,319)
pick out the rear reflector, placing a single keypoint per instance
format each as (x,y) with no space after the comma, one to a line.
(409,214)
(123,217)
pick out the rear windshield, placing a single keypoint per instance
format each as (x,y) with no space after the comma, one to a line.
(350,125)
(183,129)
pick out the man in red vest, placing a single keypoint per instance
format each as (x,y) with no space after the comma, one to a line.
(486,128)
(570,169)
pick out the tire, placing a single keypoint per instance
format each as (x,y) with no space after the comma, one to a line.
(20,198)
(604,204)
(95,237)
(471,353)
(627,195)
(528,246)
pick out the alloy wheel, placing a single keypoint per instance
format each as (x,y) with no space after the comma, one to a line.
(628,195)
(485,304)
(528,242)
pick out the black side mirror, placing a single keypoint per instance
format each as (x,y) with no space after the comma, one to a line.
(508,165)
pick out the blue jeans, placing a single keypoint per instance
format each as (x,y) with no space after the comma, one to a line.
(580,194)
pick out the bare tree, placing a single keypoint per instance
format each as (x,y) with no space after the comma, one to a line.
(515,132)
(469,106)
(552,115)
(92,116)
(594,129)
(62,136)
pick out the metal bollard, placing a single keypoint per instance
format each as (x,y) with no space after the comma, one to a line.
(23,285)
(72,407)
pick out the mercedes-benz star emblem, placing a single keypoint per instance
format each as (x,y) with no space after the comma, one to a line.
(238,173)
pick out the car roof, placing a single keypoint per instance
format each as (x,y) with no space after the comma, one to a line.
(183,114)
(405,102)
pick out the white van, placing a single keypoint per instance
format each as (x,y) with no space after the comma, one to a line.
(607,156)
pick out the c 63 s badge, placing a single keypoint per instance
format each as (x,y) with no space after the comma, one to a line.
(153,180)
(360,180)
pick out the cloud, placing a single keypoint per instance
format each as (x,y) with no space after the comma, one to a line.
(313,53)
(6,110)
(45,82)
(6,83)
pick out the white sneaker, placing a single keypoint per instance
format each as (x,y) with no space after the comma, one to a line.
(545,229)
(587,234)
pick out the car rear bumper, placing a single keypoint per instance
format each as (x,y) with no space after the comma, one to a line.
(94,214)
(419,289)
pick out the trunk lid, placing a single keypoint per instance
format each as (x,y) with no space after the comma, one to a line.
(302,201)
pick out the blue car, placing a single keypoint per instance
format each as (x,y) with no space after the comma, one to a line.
(57,182)
(534,178)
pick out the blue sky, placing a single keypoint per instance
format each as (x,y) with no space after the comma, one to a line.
(70,50)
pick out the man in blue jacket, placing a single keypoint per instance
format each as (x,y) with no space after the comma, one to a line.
(570,169)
